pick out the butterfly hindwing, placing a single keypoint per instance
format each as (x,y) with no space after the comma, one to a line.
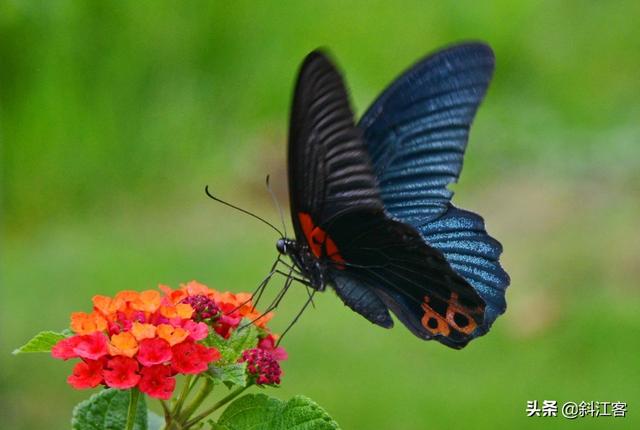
(461,236)
(411,278)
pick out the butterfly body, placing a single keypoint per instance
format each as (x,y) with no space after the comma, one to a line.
(370,205)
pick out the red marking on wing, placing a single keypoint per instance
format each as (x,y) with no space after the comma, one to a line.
(318,239)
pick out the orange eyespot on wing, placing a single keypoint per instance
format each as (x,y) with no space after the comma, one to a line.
(455,317)
(433,321)
(319,242)
(458,317)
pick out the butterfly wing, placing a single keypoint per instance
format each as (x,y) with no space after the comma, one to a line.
(329,168)
(411,278)
(373,262)
(329,172)
(416,133)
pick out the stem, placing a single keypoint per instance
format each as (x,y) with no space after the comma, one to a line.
(183,396)
(168,419)
(202,394)
(133,407)
(215,407)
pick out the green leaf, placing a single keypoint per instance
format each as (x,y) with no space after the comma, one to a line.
(261,412)
(107,410)
(235,373)
(231,348)
(302,413)
(216,426)
(42,342)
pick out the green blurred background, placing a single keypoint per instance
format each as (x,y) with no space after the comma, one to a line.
(114,115)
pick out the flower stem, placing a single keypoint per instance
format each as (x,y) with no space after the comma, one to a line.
(183,396)
(202,394)
(232,395)
(134,394)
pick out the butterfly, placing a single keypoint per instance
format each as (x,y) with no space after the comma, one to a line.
(369,201)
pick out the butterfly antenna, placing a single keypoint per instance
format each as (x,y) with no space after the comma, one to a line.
(211,196)
(275,201)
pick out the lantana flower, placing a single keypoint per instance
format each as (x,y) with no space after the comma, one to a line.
(144,339)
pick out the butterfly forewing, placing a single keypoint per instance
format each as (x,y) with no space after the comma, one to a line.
(329,171)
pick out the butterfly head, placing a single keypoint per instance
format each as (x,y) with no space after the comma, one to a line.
(285,246)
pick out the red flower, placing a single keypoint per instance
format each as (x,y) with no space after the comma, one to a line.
(86,374)
(262,366)
(65,349)
(192,358)
(154,351)
(121,372)
(91,346)
(156,381)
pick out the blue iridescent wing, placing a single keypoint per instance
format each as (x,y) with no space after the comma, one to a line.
(417,130)
(416,133)
(460,235)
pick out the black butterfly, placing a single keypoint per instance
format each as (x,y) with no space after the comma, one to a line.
(370,204)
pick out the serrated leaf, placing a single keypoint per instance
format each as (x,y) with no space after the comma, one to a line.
(302,413)
(235,374)
(107,410)
(42,342)
(239,340)
(243,339)
(253,411)
(261,412)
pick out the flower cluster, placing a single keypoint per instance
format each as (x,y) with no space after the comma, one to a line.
(144,339)
(262,366)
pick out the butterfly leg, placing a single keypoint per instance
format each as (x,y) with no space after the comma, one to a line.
(297,317)
(261,287)
(276,301)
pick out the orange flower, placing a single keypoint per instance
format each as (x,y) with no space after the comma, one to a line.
(172,334)
(143,331)
(124,300)
(123,343)
(148,301)
(258,318)
(174,296)
(181,310)
(195,288)
(103,304)
(84,323)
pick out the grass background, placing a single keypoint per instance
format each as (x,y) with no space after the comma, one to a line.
(115,115)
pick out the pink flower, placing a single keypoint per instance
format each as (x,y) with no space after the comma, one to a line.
(197,331)
(154,351)
(121,372)
(86,374)
(268,343)
(65,348)
(156,381)
(91,346)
